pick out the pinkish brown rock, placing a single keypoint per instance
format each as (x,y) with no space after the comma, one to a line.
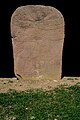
(38,37)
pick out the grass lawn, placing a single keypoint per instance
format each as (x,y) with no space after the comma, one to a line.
(58,104)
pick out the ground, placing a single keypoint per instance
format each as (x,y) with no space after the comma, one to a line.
(7,84)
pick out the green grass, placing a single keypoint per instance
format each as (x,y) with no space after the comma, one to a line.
(59,104)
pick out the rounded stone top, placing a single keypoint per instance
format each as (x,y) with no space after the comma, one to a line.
(43,17)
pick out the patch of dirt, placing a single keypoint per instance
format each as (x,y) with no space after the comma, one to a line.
(7,84)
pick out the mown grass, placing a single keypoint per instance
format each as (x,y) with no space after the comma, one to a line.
(58,104)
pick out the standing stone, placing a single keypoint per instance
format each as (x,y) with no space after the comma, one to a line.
(38,37)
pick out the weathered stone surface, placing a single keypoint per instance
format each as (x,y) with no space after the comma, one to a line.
(38,37)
